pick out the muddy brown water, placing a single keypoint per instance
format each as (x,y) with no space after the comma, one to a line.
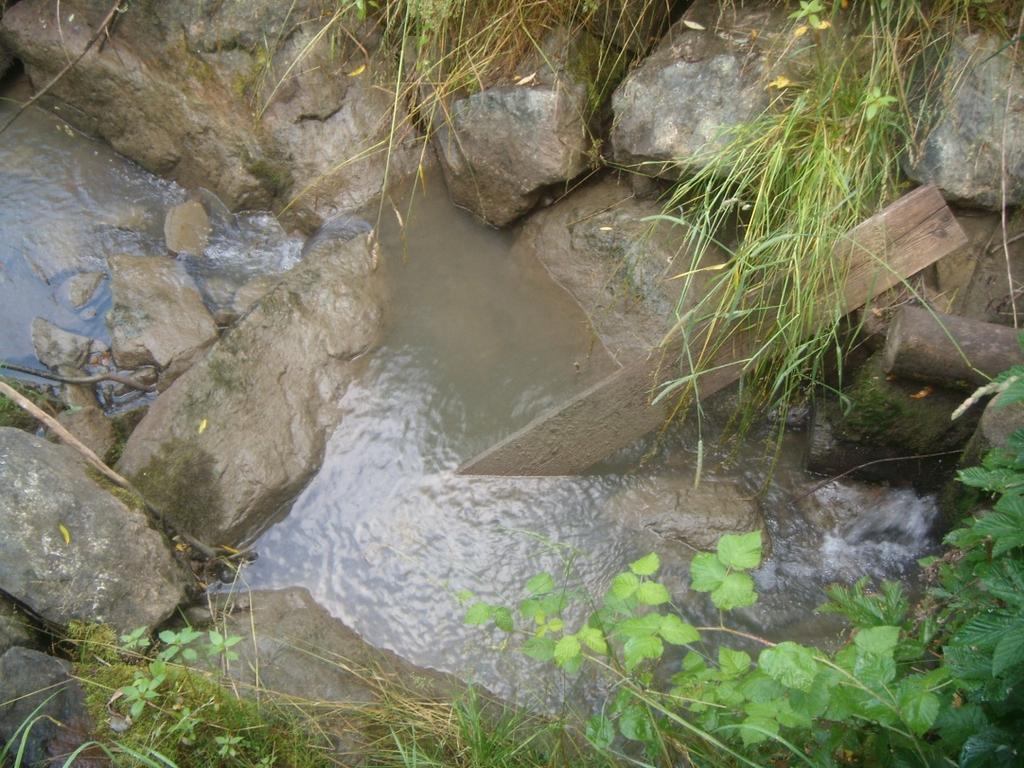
(387,533)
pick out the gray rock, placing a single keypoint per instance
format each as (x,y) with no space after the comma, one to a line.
(91,426)
(301,650)
(5,60)
(115,569)
(158,316)
(505,145)
(678,105)
(187,228)
(30,679)
(82,287)
(58,348)
(961,152)
(696,516)
(617,266)
(15,629)
(267,395)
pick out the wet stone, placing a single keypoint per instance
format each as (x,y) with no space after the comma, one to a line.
(82,287)
(187,228)
(58,348)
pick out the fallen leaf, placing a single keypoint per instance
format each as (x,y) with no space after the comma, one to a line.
(694,25)
(527,79)
(357,71)
(605,229)
(64,532)
(780,82)
(800,31)
(202,426)
(823,24)
(922,393)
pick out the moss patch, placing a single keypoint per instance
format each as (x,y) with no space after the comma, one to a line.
(274,175)
(179,481)
(11,414)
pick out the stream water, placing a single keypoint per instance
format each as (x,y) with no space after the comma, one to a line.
(478,344)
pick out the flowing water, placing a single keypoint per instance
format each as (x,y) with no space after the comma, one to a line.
(387,533)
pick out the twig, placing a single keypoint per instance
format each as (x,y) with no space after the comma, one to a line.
(100,31)
(1002,175)
(841,475)
(738,633)
(95,379)
(62,432)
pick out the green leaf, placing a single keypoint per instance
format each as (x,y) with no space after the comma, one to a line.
(732,663)
(567,649)
(503,619)
(600,732)
(652,593)
(706,572)
(791,664)
(464,596)
(640,626)
(539,648)
(676,631)
(754,730)
(478,613)
(624,585)
(647,565)
(635,724)
(918,706)
(735,591)
(540,584)
(593,638)
(740,551)
(880,641)
(1009,651)
(637,649)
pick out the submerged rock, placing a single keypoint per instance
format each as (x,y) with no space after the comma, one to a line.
(232,441)
(158,316)
(301,650)
(82,287)
(112,567)
(962,149)
(695,516)
(678,105)
(34,685)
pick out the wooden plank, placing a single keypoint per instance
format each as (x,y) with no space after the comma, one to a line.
(909,235)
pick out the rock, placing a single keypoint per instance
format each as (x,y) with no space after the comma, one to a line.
(857,513)
(82,287)
(187,228)
(249,99)
(15,629)
(287,359)
(58,348)
(961,151)
(595,244)
(674,509)
(115,568)
(30,680)
(504,146)
(90,426)
(301,650)
(157,316)
(5,60)
(677,106)
(251,292)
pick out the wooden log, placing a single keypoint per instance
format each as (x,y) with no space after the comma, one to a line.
(946,350)
(909,235)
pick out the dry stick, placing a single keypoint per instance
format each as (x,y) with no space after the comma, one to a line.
(1002,179)
(100,31)
(95,379)
(62,432)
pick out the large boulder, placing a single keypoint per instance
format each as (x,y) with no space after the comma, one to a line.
(980,113)
(247,97)
(36,687)
(675,509)
(618,266)
(299,649)
(15,628)
(708,75)
(503,147)
(233,440)
(72,550)
(157,317)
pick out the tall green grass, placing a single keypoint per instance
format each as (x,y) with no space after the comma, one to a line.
(789,184)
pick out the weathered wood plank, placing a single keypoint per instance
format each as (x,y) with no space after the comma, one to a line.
(909,235)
